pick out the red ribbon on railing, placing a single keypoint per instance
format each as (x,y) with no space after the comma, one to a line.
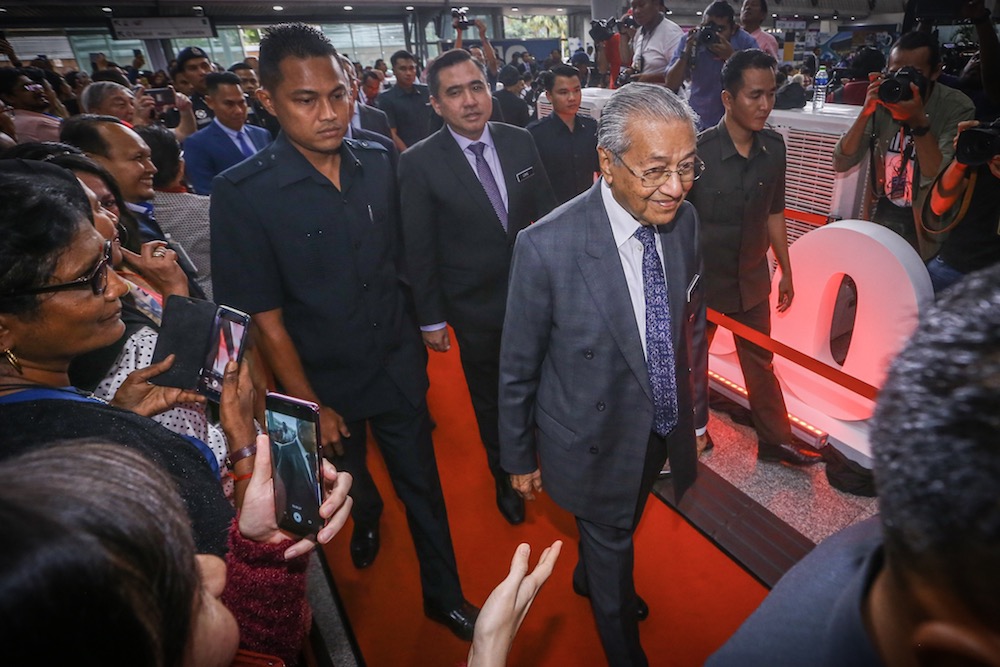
(835,375)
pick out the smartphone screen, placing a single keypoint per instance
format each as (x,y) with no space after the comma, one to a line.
(227,342)
(164,97)
(293,427)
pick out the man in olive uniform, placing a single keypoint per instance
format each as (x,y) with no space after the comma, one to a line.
(741,204)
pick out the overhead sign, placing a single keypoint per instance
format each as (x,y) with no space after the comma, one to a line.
(162,27)
(790,25)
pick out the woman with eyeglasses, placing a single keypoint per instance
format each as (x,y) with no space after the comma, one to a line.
(59,299)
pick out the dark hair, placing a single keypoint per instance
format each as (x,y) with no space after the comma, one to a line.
(97,543)
(42,208)
(559,70)
(9,76)
(912,41)
(866,61)
(71,78)
(39,150)
(238,67)
(402,54)
(721,8)
(934,442)
(84,132)
(739,62)
(368,75)
(164,150)
(289,40)
(216,79)
(449,58)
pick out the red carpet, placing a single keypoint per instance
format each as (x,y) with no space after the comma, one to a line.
(696,594)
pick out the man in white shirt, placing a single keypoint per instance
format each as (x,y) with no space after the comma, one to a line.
(652,45)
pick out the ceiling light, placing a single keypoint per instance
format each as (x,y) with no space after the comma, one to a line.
(796,16)
(348,8)
(514,9)
(670,11)
(815,16)
(278,8)
(698,12)
(852,18)
(560,9)
(409,8)
(774,16)
(106,10)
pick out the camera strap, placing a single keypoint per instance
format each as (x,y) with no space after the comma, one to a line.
(963,209)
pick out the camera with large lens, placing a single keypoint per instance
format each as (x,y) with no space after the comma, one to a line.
(460,16)
(896,88)
(978,145)
(708,34)
(604,29)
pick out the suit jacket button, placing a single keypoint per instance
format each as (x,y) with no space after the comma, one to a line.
(600,406)
(594,450)
(374,325)
(588,354)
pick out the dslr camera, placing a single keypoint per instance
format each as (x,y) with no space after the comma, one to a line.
(896,87)
(603,30)
(978,145)
(461,18)
(708,34)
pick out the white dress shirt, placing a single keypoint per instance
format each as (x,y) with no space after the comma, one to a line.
(235,136)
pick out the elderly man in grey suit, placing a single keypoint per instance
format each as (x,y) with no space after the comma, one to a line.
(605,318)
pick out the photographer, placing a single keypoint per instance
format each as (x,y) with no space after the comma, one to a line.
(107,98)
(965,202)
(607,51)
(484,55)
(906,128)
(700,56)
(649,44)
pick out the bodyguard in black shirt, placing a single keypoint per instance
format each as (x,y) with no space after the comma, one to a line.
(567,143)
(306,240)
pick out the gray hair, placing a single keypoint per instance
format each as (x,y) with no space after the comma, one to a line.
(639,100)
(93,96)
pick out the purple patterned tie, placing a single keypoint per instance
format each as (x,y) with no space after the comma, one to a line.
(659,346)
(489,182)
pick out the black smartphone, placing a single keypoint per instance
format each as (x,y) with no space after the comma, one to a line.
(293,427)
(163,97)
(229,332)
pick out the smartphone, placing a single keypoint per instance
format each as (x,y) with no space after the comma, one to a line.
(163,97)
(293,427)
(229,332)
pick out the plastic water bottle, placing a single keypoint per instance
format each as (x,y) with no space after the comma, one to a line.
(819,89)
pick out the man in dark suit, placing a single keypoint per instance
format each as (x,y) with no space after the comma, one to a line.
(305,238)
(466,191)
(595,381)
(228,139)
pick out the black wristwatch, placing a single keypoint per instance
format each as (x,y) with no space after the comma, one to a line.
(920,131)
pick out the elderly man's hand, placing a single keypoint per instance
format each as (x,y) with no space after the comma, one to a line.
(526,485)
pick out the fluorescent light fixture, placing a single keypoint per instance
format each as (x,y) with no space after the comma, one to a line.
(409,8)
(278,8)
(348,8)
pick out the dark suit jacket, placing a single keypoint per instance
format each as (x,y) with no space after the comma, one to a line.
(209,152)
(575,397)
(374,120)
(514,109)
(456,251)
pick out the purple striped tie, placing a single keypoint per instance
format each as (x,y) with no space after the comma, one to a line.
(489,182)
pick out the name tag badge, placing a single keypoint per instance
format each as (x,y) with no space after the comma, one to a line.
(522,176)
(694,283)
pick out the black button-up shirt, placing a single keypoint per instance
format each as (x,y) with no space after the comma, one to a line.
(734,198)
(409,112)
(570,158)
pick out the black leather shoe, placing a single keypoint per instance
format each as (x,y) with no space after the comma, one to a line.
(510,504)
(795,455)
(461,621)
(364,545)
(641,608)
(709,444)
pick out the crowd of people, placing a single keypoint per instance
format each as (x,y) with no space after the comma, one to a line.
(363,216)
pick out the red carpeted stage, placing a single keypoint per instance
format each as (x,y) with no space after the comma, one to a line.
(696,594)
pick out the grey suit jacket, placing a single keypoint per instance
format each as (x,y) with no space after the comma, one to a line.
(374,120)
(575,397)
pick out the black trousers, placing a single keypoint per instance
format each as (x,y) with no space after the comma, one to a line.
(767,405)
(404,438)
(607,558)
(480,354)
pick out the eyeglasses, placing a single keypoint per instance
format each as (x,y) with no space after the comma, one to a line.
(687,172)
(97,280)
